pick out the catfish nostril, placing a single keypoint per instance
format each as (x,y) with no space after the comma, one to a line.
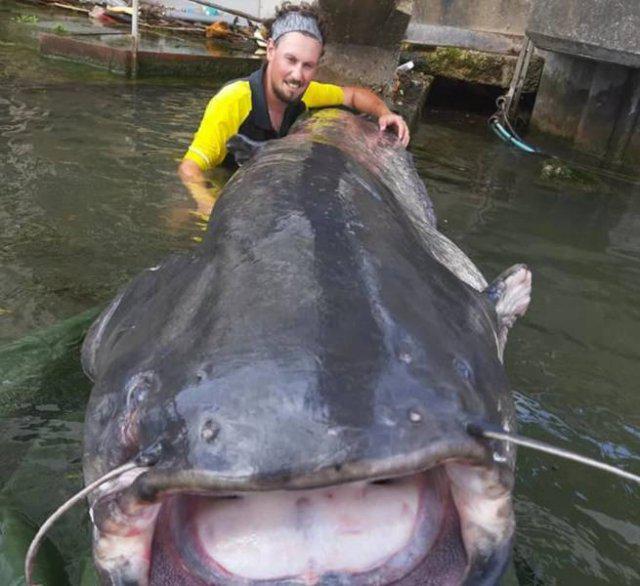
(463,368)
(210,430)
(415,416)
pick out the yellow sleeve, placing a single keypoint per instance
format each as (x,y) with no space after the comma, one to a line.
(225,113)
(321,95)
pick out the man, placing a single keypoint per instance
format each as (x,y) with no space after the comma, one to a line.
(265,105)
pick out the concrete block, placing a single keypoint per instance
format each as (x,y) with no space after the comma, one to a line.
(602,30)
(594,106)
(602,108)
(631,158)
(494,16)
(564,89)
(625,142)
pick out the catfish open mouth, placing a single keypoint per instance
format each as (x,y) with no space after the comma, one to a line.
(416,529)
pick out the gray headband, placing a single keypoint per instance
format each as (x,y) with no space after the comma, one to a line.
(294,22)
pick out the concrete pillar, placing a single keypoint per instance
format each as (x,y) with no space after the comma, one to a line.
(593,105)
(601,108)
(625,140)
(364,42)
(563,90)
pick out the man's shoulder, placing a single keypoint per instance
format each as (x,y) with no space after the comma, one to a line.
(320,94)
(237,89)
(322,85)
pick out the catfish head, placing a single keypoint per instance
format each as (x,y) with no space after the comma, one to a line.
(298,391)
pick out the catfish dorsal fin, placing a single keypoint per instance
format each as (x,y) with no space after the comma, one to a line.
(243,148)
(510,293)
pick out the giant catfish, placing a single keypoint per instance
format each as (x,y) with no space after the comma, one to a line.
(301,386)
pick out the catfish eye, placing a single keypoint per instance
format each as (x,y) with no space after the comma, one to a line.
(463,369)
(139,387)
(383,481)
(210,430)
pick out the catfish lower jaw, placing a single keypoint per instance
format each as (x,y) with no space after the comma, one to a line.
(356,533)
(421,528)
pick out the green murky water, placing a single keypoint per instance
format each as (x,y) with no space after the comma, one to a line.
(89,196)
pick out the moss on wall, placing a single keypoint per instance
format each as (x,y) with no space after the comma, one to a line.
(473,66)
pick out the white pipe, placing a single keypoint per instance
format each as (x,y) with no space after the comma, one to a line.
(134,38)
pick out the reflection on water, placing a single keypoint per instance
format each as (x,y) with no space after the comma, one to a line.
(574,358)
(90,196)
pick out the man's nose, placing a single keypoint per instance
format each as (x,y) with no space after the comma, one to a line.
(296,73)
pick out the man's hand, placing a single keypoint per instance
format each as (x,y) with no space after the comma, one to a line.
(396,121)
(205,198)
(364,100)
(203,193)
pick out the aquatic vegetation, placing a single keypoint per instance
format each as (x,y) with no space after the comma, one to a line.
(555,170)
(26,19)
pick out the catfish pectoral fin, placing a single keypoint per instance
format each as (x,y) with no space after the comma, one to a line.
(510,292)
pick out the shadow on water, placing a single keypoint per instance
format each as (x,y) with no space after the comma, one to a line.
(90,197)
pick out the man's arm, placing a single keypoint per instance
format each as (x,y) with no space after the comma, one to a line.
(190,172)
(222,118)
(364,100)
(195,180)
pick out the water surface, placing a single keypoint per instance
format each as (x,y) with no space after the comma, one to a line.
(89,196)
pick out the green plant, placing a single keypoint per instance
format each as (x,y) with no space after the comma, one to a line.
(60,30)
(26,18)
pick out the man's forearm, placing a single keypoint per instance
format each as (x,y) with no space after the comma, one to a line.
(365,101)
(189,172)
(196,182)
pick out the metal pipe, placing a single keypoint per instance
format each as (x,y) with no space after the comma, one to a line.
(134,38)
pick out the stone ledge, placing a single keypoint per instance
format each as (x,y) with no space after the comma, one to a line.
(473,66)
(449,36)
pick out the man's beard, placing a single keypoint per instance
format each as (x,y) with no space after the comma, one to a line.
(283,97)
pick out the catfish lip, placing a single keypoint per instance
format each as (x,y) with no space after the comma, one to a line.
(163,480)
(475,513)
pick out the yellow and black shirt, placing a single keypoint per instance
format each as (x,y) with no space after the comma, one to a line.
(240,107)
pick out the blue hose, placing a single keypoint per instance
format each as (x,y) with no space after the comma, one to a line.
(502,132)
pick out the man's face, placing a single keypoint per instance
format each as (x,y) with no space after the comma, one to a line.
(292,65)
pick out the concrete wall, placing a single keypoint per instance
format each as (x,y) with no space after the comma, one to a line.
(494,16)
(267,8)
(494,26)
(604,30)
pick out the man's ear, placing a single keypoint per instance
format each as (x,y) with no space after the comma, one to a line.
(271,47)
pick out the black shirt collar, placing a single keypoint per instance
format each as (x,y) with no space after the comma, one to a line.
(259,104)
(259,99)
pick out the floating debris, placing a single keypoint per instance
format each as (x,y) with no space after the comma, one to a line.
(187,17)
